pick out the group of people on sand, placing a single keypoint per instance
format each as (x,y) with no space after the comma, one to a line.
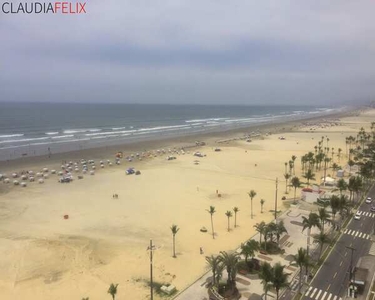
(115,196)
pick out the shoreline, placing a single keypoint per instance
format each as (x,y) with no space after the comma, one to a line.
(188,140)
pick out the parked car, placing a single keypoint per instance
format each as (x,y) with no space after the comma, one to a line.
(357,216)
(368,200)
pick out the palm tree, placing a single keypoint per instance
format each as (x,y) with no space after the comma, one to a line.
(214,262)
(236,210)
(279,230)
(262,201)
(334,203)
(321,239)
(294,159)
(252,194)
(286,165)
(301,259)
(259,227)
(326,161)
(339,153)
(249,248)
(211,211)
(230,262)
(266,275)
(286,176)
(229,215)
(342,185)
(296,184)
(279,278)
(174,229)
(87,298)
(310,222)
(113,290)
(323,217)
(309,176)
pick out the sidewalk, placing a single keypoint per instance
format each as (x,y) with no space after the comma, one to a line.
(250,286)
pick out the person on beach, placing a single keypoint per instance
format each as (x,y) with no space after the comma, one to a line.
(201,250)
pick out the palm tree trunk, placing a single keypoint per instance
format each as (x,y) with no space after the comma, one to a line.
(308,241)
(286,186)
(174,247)
(251,207)
(300,279)
(212,226)
(235,220)
(228,223)
(277,294)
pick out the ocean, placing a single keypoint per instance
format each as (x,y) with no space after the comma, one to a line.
(28,129)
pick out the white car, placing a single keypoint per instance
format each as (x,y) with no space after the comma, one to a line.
(368,200)
(357,216)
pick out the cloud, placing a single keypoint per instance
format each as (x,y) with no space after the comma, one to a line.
(192,52)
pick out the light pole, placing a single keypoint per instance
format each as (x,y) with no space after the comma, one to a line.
(351,269)
(276,200)
(151,248)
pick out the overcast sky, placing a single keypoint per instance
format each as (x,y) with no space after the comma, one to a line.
(194,51)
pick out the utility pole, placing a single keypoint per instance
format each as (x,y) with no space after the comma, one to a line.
(151,248)
(276,200)
(351,263)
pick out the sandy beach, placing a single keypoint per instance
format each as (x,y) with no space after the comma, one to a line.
(44,256)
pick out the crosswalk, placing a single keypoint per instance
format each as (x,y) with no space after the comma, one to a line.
(317,294)
(357,234)
(294,285)
(366,214)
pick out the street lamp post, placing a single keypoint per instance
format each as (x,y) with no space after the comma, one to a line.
(151,248)
(351,268)
(276,200)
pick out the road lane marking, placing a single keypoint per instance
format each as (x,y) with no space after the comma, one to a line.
(308,291)
(356,234)
(314,291)
(334,276)
(341,263)
(334,298)
(360,235)
(346,253)
(329,296)
(328,287)
(317,296)
(324,295)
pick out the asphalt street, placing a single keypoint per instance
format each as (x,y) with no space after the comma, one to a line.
(332,280)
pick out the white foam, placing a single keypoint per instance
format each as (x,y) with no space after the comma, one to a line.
(63,136)
(52,133)
(24,140)
(11,135)
(118,128)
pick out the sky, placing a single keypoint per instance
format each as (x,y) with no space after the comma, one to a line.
(194,52)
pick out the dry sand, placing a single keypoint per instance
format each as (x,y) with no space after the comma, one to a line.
(43,256)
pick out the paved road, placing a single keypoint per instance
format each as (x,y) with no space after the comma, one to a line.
(332,280)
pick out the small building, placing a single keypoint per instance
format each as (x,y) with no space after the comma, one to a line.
(340,173)
(329,181)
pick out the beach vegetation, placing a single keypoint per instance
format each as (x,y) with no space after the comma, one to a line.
(212,211)
(174,229)
(252,194)
(113,290)
(235,210)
